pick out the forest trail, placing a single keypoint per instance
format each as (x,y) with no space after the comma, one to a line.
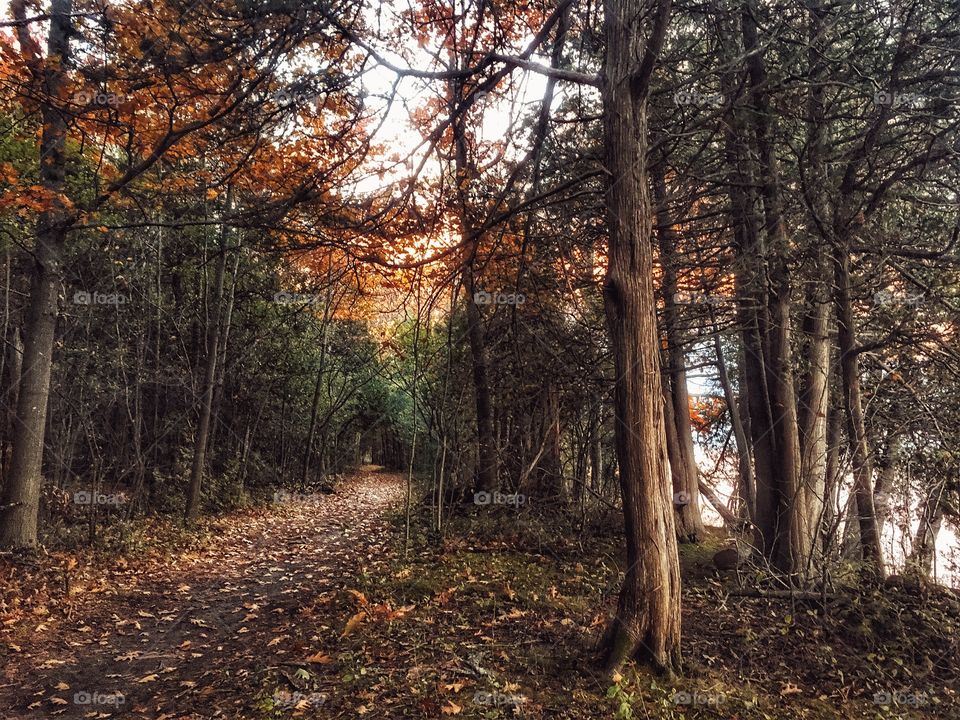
(196,638)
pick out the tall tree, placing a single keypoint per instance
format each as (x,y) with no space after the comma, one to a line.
(20,503)
(214,339)
(647,624)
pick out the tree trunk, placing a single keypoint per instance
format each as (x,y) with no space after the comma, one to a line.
(20,505)
(814,401)
(886,475)
(321,369)
(647,624)
(596,448)
(750,281)
(856,427)
(832,517)
(814,405)
(486,472)
(13,368)
(744,463)
(220,381)
(924,549)
(732,522)
(486,469)
(685,474)
(783,534)
(678,475)
(209,379)
(549,470)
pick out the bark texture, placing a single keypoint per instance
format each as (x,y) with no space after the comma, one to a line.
(647,624)
(21,498)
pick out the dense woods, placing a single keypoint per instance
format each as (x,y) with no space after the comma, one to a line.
(674,276)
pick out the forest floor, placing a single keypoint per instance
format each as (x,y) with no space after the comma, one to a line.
(311,609)
(190,633)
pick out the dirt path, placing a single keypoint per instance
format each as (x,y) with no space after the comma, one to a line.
(195,640)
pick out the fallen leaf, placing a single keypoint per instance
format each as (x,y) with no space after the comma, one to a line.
(353,623)
(361,598)
(400,612)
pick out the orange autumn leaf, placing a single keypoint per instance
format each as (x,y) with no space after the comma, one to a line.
(353,623)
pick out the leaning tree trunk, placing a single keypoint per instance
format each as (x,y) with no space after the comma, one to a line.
(685,474)
(647,624)
(924,549)
(747,487)
(21,498)
(221,374)
(832,517)
(886,475)
(678,474)
(856,427)
(550,483)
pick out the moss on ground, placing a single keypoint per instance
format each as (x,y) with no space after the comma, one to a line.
(497,622)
